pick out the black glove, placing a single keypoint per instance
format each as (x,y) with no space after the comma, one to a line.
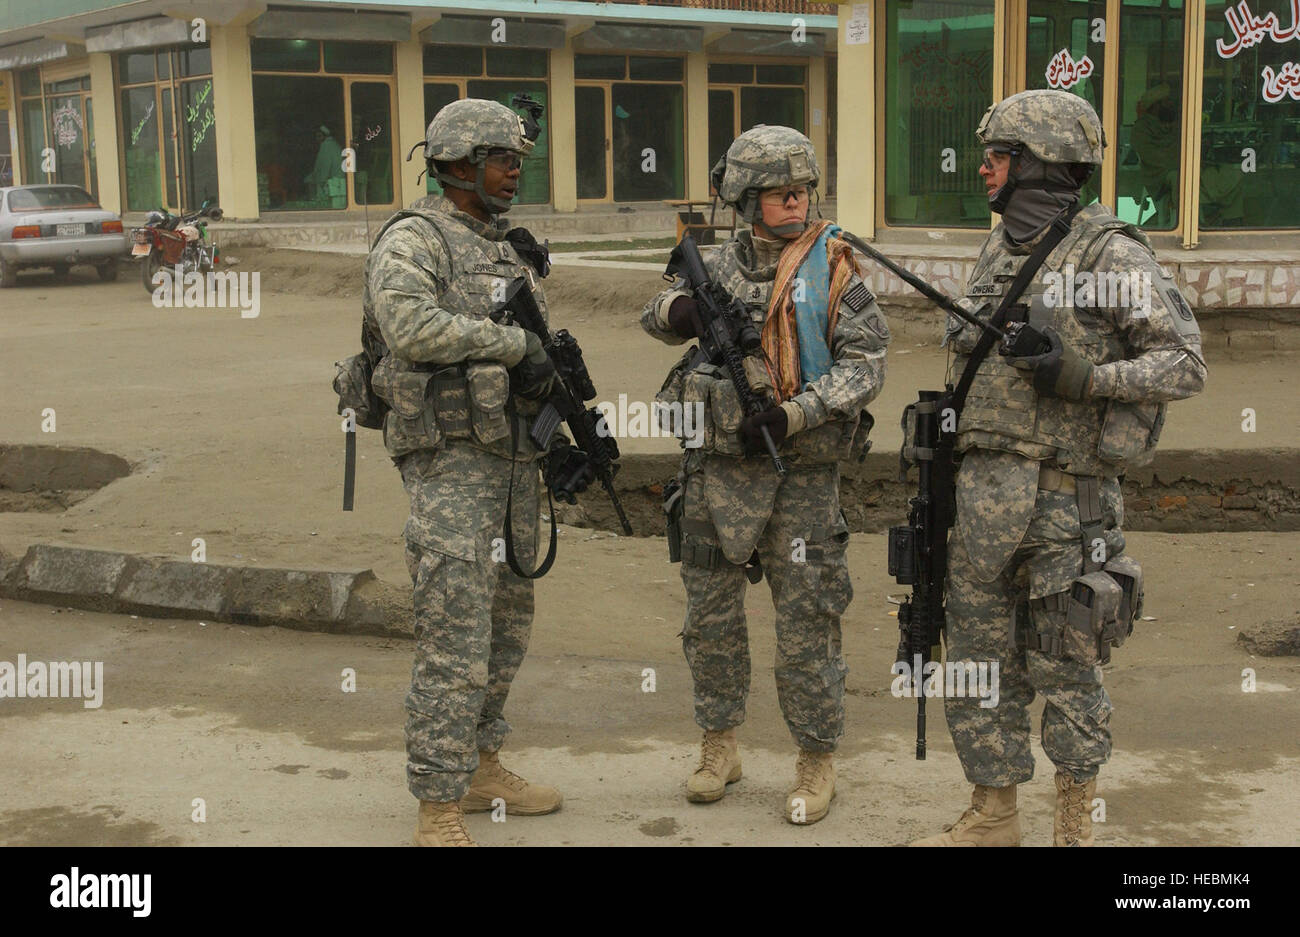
(532,376)
(1058,372)
(751,429)
(684,317)
(568,471)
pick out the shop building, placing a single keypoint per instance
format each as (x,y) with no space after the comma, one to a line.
(173,101)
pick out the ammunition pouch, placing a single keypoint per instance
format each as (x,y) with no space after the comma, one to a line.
(1127,574)
(487,386)
(468,401)
(352,383)
(1091,608)
(707,390)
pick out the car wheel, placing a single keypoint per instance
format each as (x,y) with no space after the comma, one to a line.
(108,271)
(61,271)
(8,274)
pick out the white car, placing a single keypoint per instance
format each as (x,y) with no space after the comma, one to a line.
(57,226)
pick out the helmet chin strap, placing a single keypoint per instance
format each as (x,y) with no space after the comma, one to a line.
(493,203)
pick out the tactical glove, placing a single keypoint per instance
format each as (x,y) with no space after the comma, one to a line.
(532,376)
(568,471)
(1058,372)
(777,422)
(684,317)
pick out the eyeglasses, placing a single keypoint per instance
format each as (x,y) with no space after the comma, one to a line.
(504,160)
(780,196)
(998,149)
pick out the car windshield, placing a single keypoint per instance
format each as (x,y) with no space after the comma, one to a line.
(37,198)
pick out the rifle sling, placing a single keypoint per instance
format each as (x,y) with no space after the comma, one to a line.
(1059,229)
(349,467)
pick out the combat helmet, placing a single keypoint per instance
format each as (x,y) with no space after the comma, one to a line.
(469,129)
(764,157)
(1054,126)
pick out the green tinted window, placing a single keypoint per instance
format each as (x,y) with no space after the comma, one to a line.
(938,84)
(725,73)
(1067,51)
(359,58)
(135,67)
(516,63)
(195,61)
(1150,115)
(453,60)
(285,55)
(780,74)
(599,66)
(29,82)
(647,139)
(300,135)
(1250,124)
(782,106)
(535,175)
(654,68)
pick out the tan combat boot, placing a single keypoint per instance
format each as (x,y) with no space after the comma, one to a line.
(814,787)
(719,766)
(991,820)
(1073,823)
(493,780)
(441,825)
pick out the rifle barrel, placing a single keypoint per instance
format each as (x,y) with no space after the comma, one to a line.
(925,289)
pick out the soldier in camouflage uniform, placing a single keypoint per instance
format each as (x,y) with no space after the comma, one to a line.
(1038,580)
(825,361)
(462,388)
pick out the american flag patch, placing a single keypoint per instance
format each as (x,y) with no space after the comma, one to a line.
(858,297)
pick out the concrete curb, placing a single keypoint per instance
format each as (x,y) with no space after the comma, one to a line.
(348,602)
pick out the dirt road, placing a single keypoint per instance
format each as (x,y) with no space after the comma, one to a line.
(231,427)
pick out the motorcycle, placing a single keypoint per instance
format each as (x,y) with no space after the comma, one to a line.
(168,241)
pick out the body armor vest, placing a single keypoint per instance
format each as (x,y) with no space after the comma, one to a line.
(468,400)
(826,443)
(1002,410)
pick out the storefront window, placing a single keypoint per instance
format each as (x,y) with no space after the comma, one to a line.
(1150,113)
(57,132)
(304,122)
(589,142)
(938,83)
(465,67)
(630,138)
(516,63)
(168,128)
(648,144)
(1250,123)
(359,58)
(298,125)
(736,103)
(140,142)
(1066,50)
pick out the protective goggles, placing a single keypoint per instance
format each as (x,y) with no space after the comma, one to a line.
(780,196)
(1000,149)
(503,160)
